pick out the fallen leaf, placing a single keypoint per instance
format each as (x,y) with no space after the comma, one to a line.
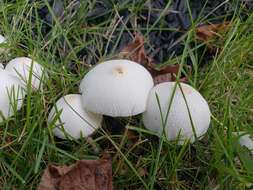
(135,51)
(162,78)
(206,33)
(83,175)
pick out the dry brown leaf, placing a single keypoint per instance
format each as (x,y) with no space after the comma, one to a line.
(207,32)
(163,78)
(135,51)
(83,175)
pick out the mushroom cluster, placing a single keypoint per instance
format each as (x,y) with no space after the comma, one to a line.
(116,88)
(14,80)
(122,88)
(13,84)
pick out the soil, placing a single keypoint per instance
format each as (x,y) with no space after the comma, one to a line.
(160,44)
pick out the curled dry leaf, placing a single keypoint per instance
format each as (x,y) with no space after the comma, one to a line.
(135,51)
(83,175)
(163,78)
(205,33)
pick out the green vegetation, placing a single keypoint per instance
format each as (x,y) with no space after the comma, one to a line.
(70,46)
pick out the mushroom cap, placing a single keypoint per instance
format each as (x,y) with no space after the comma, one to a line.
(178,126)
(11,94)
(244,139)
(2,39)
(21,67)
(116,88)
(76,121)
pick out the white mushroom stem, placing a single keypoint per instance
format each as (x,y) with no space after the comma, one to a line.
(71,119)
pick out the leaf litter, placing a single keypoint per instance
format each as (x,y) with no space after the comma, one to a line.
(83,175)
(211,32)
(135,51)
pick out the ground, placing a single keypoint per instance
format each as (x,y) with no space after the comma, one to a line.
(67,37)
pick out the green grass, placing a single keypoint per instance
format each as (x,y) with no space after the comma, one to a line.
(216,162)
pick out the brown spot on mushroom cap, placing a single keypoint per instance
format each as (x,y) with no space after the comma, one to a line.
(119,70)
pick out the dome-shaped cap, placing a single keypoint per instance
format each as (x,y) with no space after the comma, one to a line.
(178,124)
(73,118)
(11,94)
(21,67)
(2,39)
(116,88)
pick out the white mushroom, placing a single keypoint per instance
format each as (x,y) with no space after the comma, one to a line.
(183,118)
(2,39)
(11,94)
(116,88)
(21,67)
(73,120)
(245,140)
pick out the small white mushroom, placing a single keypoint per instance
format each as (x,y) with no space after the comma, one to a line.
(73,120)
(11,94)
(116,88)
(245,140)
(21,67)
(2,39)
(183,117)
